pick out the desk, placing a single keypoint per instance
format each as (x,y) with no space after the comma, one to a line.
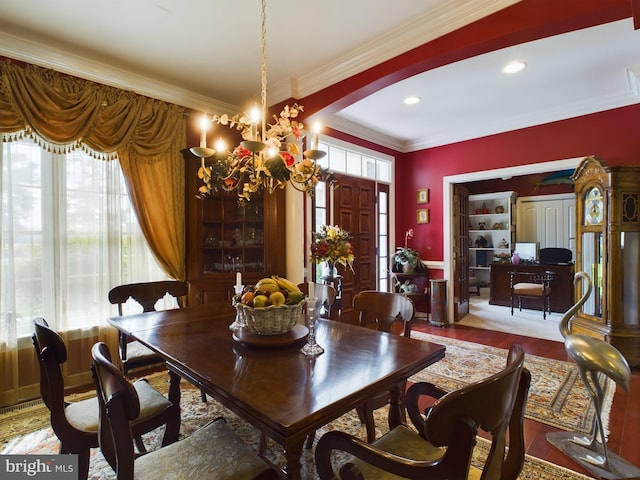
(278,390)
(561,287)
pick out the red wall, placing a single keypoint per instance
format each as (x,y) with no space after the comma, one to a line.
(613,136)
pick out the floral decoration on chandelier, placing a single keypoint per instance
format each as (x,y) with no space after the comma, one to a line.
(270,164)
(332,244)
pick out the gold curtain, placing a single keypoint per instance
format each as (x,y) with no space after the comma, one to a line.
(62,113)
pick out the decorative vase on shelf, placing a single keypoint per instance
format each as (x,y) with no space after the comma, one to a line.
(515,258)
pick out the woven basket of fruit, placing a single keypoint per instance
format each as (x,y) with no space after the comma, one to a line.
(270,307)
(271,320)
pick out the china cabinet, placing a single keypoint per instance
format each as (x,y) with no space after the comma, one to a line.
(491,231)
(608,249)
(225,236)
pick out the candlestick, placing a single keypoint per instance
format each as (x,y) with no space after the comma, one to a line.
(316,129)
(204,126)
(238,279)
(311,290)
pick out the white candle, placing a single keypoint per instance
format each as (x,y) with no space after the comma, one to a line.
(204,126)
(238,279)
(316,129)
(311,290)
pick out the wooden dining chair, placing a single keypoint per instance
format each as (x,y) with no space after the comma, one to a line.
(327,296)
(132,353)
(213,451)
(76,423)
(386,312)
(441,446)
(536,286)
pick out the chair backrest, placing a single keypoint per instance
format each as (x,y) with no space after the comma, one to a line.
(52,353)
(496,405)
(325,293)
(119,405)
(385,311)
(147,294)
(554,255)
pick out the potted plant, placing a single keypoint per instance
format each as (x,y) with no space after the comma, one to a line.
(406,259)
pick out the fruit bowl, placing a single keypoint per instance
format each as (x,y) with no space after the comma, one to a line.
(271,320)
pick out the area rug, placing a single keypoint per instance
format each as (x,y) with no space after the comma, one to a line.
(195,414)
(557,396)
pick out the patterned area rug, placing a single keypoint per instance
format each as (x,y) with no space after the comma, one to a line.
(195,414)
(557,396)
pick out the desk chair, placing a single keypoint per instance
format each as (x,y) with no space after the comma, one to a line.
(132,353)
(214,451)
(447,433)
(386,312)
(531,285)
(76,423)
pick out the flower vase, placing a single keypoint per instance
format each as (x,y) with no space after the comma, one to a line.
(515,259)
(329,270)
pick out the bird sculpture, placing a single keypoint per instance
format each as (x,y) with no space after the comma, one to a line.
(593,356)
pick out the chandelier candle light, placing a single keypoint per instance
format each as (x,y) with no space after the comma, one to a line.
(264,160)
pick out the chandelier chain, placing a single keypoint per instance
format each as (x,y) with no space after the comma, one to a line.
(263,77)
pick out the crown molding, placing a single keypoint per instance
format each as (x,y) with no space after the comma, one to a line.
(78,66)
(449,16)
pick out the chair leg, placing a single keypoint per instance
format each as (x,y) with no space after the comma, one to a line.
(310,439)
(203,396)
(140,444)
(262,444)
(172,427)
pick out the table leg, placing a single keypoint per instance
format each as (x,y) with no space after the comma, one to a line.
(174,387)
(395,407)
(292,453)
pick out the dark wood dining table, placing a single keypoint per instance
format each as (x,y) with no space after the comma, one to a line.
(277,389)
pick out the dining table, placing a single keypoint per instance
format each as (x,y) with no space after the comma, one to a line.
(268,382)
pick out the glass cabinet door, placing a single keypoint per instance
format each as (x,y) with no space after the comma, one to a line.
(592,263)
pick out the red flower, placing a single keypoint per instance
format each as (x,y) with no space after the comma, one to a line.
(289,160)
(241,152)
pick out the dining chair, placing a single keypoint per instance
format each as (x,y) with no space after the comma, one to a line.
(76,423)
(212,452)
(386,312)
(442,444)
(532,285)
(147,294)
(326,294)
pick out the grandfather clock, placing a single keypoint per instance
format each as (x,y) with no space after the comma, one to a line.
(608,249)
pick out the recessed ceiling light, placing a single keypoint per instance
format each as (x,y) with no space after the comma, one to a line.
(514,67)
(412,100)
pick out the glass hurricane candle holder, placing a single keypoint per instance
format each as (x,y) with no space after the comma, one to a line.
(311,348)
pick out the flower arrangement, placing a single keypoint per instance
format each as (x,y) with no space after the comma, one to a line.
(332,245)
(273,168)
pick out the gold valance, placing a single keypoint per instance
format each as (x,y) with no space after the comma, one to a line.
(62,112)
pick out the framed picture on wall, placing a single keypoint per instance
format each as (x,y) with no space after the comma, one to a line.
(423,195)
(423,215)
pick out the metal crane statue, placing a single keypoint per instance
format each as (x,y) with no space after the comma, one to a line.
(593,356)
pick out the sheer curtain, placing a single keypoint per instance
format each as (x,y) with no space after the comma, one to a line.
(68,235)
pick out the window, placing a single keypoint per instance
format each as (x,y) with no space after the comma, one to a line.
(69,234)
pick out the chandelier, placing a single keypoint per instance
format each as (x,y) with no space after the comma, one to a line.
(268,157)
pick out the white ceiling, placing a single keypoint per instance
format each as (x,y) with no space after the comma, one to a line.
(205,54)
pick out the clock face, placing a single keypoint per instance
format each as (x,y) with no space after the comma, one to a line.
(593,208)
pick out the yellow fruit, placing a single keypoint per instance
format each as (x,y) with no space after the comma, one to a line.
(277,298)
(260,301)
